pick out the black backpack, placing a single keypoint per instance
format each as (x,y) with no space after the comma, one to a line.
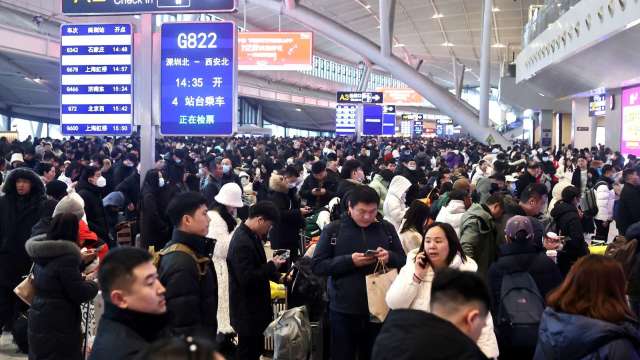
(308,288)
(521,307)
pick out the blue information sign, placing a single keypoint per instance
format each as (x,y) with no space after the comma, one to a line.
(371,119)
(346,119)
(418,127)
(96,79)
(389,120)
(102,7)
(198,78)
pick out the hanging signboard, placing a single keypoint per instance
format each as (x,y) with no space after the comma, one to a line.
(275,51)
(96,79)
(198,76)
(359,97)
(372,119)
(598,105)
(404,97)
(389,120)
(113,7)
(346,119)
(630,143)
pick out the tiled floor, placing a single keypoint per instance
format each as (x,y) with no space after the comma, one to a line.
(8,349)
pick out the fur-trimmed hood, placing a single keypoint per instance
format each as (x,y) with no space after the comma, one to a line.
(37,186)
(38,247)
(278,183)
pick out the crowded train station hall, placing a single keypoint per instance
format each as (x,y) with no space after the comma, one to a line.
(319,180)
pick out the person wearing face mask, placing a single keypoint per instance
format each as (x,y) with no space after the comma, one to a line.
(395,207)
(124,168)
(155,229)
(228,175)
(282,192)
(91,189)
(224,220)
(352,175)
(413,173)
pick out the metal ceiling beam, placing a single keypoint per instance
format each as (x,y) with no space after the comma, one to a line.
(437,95)
(387,18)
(485,63)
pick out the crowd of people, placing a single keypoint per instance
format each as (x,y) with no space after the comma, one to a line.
(491,245)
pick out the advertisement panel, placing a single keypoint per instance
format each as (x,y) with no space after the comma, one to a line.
(275,50)
(630,143)
(404,97)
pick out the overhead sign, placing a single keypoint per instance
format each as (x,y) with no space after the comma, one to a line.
(389,120)
(598,105)
(96,79)
(630,143)
(275,50)
(357,97)
(418,127)
(372,119)
(445,121)
(405,128)
(346,116)
(404,97)
(413,117)
(198,77)
(106,7)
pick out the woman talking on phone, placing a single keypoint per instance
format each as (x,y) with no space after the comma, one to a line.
(440,249)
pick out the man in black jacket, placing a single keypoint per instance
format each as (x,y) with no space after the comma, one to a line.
(249,275)
(135,307)
(529,177)
(24,195)
(186,269)
(91,189)
(459,307)
(568,224)
(347,252)
(318,189)
(629,205)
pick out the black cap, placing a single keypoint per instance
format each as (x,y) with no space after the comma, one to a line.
(318,167)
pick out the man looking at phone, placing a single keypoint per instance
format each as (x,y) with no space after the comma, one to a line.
(318,189)
(347,252)
(249,275)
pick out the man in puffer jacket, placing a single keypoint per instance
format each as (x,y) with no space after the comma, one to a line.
(395,205)
(605,197)
(380,184)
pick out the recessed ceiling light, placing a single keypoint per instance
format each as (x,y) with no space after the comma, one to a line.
(498,45)
(398,45)
(468,69)
(437,16)
(495,9)
(447,44)
(298,109)
(367,6)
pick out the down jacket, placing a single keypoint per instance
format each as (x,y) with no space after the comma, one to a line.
(192,299)
(452,214)
(381,187)
(405,294)
(478,237)
(605,197)
(54,316)
(568,224)
(286,233)
(394,206)
(567,336)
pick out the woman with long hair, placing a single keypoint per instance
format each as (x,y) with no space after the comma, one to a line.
(588,316)
(224,220)
(54,317)
(440,249)
(414,224)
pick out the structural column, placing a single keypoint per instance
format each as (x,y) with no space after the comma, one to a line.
(546,128)
(143,47)
(582,124)
(613,120)
(485,64)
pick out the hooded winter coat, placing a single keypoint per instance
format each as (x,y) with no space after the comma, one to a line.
(96,215)
(405,294)
(380,186)
(567,336)
(452,214)
(478,237)
(286,233)
(568,224)
(394,206)
(605,197)
(54,316)
(18,215)
(417,335)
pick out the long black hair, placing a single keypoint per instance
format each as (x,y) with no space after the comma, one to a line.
(224,214)
(64,227)
(416,216)
(452,239)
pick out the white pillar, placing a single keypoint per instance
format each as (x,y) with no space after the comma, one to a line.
(485,64)
(583,126)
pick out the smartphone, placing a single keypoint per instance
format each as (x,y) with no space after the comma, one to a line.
(423,262)
(371,253)
(283,253)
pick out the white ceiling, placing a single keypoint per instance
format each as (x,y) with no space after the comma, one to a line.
(415,28)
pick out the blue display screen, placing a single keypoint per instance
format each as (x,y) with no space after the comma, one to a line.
(96,79)
(371,119)
(388,124)
(95,7)
(198,78)
(346,119)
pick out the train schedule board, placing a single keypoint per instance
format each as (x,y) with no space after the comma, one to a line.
(96,79)
(276,51)
(113,7)
(630,143)
(198,75)
(346,116)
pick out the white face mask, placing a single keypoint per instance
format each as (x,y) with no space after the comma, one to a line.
(291,185)
(101,182)
(232,211)
(412,168)
(161,182)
